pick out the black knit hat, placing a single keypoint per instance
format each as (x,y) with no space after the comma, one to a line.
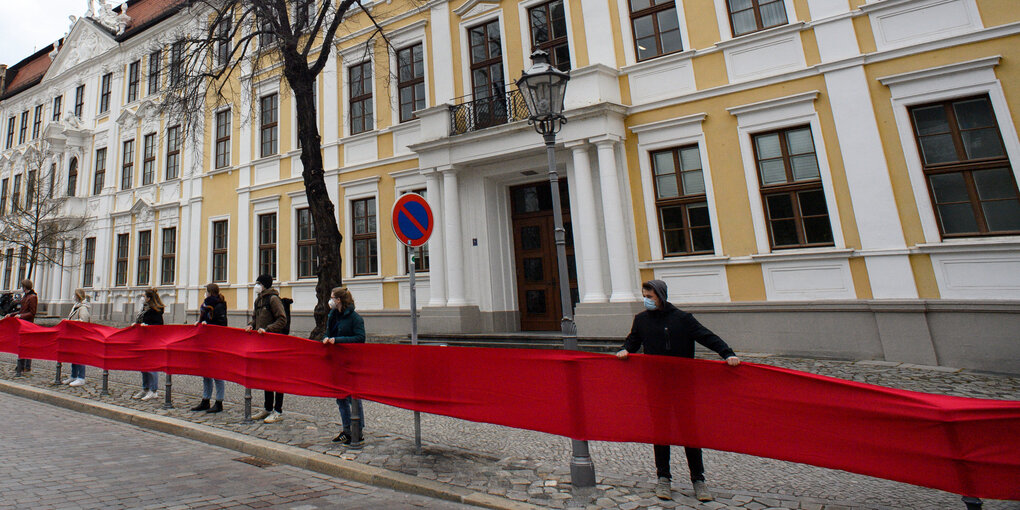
(265,280)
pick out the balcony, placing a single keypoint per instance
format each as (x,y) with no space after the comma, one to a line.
(487,112)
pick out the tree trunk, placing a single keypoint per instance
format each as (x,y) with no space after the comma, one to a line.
(327,234)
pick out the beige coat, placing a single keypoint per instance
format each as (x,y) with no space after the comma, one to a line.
(81,312)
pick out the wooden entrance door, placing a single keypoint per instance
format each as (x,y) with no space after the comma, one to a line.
(538,293)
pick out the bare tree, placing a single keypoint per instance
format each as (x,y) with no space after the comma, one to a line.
(228,45)
(39,221)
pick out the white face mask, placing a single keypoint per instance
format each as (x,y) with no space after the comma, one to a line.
(259,288)
(331,303)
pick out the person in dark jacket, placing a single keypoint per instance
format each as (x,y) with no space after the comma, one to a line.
(29,304)
(268,316)
(152,315)
(344,326)
(666,330)
(213,311)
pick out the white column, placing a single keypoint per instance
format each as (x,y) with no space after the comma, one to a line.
(598,27)
(454,244)
(613,213)
(442,49)
(437,250)
(591,253)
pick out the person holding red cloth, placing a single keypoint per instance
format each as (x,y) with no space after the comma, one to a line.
(29,304)
(666,330)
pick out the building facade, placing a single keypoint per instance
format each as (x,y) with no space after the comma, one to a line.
(825,177)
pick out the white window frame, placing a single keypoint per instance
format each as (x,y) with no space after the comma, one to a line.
(971,78)
(212,160)
(367,187)
(465,50)
(627,32)
(356,55)
(780,113)
(211,235)
(401,39)
(260,206)
(726,30)
(526,30)
(262,90)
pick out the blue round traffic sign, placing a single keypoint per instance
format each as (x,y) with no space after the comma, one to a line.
(412,220)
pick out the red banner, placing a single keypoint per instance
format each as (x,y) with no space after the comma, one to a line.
(962,445)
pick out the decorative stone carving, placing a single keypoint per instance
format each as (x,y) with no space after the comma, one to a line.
(107,17)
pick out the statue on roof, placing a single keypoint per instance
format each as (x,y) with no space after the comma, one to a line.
(108,18)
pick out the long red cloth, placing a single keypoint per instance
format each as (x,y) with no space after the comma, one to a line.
(961,445)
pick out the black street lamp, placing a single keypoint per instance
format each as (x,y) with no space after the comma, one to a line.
(543,87)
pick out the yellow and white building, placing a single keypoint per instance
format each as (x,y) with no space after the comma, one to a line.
(825,177)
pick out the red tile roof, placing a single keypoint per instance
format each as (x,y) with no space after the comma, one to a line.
(28,72)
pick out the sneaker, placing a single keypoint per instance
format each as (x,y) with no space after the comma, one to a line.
(68,380)
(150,395)
(274,417)
(139,394)
(343,438)
(663,489)
(701,492)
(261,415)
(77,382)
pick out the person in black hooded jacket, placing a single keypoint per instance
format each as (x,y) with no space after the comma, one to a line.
(213,311)
(666,330)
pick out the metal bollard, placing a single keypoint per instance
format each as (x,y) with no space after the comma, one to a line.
(168,402)
(972,503)
(357,438)
(56,377)
(247,404)
(106,384)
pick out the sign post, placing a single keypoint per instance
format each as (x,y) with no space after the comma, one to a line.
(413,223)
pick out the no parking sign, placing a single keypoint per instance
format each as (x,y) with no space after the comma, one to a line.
(412,220)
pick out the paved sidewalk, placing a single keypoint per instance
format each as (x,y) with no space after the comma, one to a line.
(532,467)
(57,458)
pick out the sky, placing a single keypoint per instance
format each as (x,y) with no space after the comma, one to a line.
(27,26)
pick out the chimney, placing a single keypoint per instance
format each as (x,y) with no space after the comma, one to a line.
(3,78)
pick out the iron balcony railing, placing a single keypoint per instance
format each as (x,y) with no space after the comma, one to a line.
(487,112)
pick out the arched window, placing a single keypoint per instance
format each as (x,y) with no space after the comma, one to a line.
(72,177)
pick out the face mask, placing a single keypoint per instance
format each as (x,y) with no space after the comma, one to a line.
(332,303)
(650,303)
(259,288)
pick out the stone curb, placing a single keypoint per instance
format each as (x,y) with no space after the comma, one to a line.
(280,453)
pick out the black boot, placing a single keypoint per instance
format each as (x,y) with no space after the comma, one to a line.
(217,407)
(203,406)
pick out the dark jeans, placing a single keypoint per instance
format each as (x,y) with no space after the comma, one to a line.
(344,406)
(274,401)
(77,371)
(694,461)
(25,364)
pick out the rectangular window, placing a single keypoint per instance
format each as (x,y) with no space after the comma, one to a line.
(411,81)
(10,131)
(123,247)
(488,86)
(144,256)
(169,256)
(656,27)
(104,93)
(22,262)
(223,48)
(267,244)
(267,37)
(37,122)
(791,189)
(23,131)
(3,197)
(72,178)
(748,16)
(269,118)
(366,260)
(16,194)
(53,180)
(549,32)
(133,79)
(965,164)
(79,101)
(8,267)
(149,161)
(154,71)
(421,253)
(31,187)
(97,185)
(58,104)
(219,257)
(308,250)
(223,139)
(89,262)
(127,170)
(177,63)
(173,152)
(360,80)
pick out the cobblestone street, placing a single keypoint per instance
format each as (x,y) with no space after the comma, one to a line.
(532,467)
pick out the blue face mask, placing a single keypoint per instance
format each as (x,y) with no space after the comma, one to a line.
(650,303)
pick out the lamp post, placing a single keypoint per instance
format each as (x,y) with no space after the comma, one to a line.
(543,87)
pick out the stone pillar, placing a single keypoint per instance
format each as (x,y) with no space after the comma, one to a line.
(437,250)
(454,244)
(612,210)
(591,253)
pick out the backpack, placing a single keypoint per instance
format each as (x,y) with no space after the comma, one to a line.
(286,311)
